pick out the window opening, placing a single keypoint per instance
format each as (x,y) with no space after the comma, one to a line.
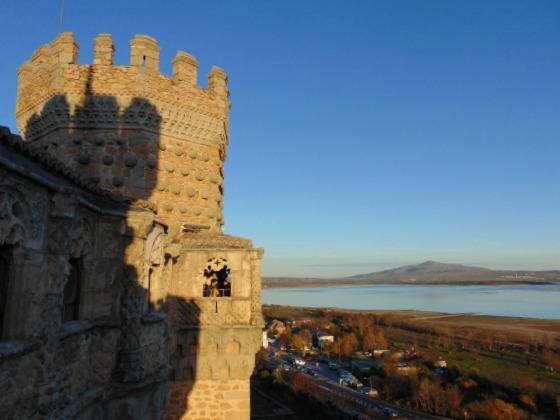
(149,292)
(143,61)
(5,269)
(217,279)
(70,308)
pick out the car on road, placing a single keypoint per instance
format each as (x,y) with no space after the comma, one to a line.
(349,380)
(309,371)
(370,392)
(391,412)
(333,366)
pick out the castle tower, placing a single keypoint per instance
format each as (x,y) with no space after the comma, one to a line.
(143,135)
(131,129)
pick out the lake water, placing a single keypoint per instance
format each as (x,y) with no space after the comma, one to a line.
(533,301)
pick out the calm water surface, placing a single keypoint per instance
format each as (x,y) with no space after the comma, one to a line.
(534,301)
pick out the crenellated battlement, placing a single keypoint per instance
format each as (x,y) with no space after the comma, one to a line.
(53,70)
(131,128)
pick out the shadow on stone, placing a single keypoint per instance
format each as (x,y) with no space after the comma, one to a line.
(110,213)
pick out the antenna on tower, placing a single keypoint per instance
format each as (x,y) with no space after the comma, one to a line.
(61,15)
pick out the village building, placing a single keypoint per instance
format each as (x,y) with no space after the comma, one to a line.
(276,327)
(321,338)
(265,341)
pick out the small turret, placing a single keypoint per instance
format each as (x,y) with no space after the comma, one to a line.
(103,50)
(217,83)
(144,52)
(185,68)
(65,49)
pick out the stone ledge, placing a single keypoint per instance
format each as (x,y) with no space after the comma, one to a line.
(70,328)
(191,241)
(106,322)
(14,348)
(154,318)
(79,326)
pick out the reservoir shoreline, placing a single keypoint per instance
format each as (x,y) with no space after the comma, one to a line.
(323,283)
(512,326)
(539,301)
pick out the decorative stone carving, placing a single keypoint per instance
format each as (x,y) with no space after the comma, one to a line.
(161,185)
(108,160)
(169,167)
(84,159)
(118,181)
(130,160)
(81,239)
(151,161)
(15,217)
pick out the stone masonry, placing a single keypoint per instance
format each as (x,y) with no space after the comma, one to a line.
(131,129)
(136,304)
(67,300)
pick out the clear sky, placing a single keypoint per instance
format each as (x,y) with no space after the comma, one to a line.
(364,134)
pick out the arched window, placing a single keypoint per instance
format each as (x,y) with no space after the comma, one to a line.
(217,279)
(152,279)
(71,303)
(5,275)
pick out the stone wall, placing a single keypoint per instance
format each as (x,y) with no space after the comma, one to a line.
(120,176)
(214,339)
(53,365)
(217,400)
(131,129)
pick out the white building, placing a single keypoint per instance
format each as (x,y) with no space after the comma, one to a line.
(323,337)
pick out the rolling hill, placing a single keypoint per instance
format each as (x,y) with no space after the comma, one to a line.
(429,272)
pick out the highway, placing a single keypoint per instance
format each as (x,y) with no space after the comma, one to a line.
(327,380)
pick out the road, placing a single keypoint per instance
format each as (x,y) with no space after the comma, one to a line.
(327,380)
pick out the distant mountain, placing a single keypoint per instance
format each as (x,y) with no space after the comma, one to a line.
(429,272)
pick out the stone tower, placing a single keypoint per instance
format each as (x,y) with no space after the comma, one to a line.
(131,129)
(142,135)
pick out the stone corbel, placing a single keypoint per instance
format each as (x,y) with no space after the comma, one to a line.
(64,204)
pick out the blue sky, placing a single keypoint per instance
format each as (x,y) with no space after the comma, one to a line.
(364,134)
